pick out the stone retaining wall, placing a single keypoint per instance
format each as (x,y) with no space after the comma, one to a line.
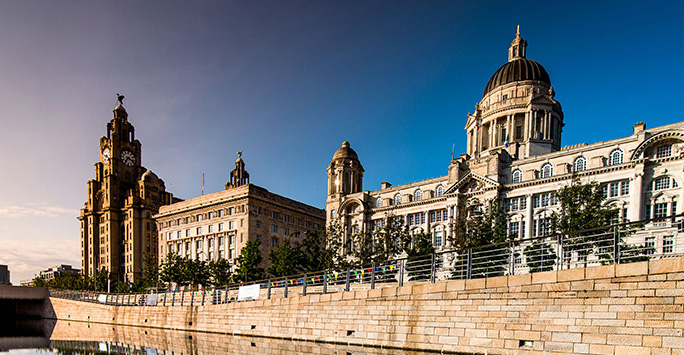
(630,309)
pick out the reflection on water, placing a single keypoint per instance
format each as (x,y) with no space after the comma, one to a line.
(65,337)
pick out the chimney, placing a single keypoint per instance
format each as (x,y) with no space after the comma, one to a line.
(638,127)
(385,185)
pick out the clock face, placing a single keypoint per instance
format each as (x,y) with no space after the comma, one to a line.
(106,154)
(128,158)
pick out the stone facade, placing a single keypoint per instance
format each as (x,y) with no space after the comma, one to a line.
(117,229)
(218,225)
(631,309)
(514,155)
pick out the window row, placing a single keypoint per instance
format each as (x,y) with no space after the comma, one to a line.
(200,230)
(580,164)
(515,204)
(615,189)
(203,216)
(417,195)
(544,200)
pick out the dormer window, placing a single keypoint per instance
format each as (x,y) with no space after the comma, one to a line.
(418,195)
(547,170)
(580,164)
(397,199)
(439,192)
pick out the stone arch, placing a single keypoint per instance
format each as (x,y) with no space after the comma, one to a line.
(641,148)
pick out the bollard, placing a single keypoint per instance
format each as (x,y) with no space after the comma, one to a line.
(432,268)
(268,291)
(401,272)
(285,292)
(346,286)
(304,286)
(325,282)
(372,276)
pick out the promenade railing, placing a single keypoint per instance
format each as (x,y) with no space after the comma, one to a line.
(614,244)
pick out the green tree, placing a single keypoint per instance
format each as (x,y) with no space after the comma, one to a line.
(249,263)
(286,259)
(172,270)
(318,250)
(582,215)
(478,226)
(100,280)
(150,271)
(540,256)
(196,272)
(419,257)
(219,271)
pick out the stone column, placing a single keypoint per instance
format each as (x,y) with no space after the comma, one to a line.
(636,193)
(528,217)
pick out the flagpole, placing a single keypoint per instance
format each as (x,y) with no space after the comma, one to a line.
(202,182)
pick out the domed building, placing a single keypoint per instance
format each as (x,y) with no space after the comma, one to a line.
(514,156)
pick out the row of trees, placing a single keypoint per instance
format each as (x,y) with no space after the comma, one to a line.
(479,226)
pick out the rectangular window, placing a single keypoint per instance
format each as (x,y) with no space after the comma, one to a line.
(286,218)
(660,210)
(210,215)
(232,253)
(231,225)
(422,218)
(624,188)
(410,220)
(445,215)
(604,191)
(663,151)
(187,232)
(647,211)
(199,230)
(514,230)
(518,132)
(535,201)
(274,215)
(221,241)
(274,228)
(210,228)
(199,218)
(649,245)
(210,243)
(438,238)
(523,203)
(544,200)
(220,213)
(614,189)
(668,244)
(258,210)
(534,227)
(624,214)
(220,255)
(232,240)
(286,231)
(507,205)
(178,234)
(258,224)
(220,227)
(439,216)
(433,217)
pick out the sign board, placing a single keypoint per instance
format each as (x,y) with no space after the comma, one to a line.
(250,292)
(151,299)
(102,298)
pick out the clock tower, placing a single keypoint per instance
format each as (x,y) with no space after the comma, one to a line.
(117,230)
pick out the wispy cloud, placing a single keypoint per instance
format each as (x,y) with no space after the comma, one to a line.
(35,209)
(26,259)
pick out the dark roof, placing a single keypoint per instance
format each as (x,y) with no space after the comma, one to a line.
(345,152)
(519,69)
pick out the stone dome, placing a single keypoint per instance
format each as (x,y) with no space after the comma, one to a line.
(149,176)
(519,69)
(345,152)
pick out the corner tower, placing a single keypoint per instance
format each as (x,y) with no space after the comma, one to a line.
(518,112)
(117,229)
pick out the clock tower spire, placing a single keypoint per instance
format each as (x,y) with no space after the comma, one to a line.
(117,229)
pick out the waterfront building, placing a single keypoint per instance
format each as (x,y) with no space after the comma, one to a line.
(514,155)
(117,229)
(218,225)
(56,271)
(4,275)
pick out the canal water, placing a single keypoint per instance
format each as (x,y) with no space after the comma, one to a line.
(68,337)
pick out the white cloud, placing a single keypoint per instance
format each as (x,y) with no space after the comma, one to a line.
(35,209)
(27,258)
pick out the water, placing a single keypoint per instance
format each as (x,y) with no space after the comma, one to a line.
(68,337)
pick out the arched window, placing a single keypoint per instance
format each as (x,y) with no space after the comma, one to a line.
(397,199)
(615,157)
(418,195)
(581,164)
(547,170)
(516,176)
(378,202)
(439,191)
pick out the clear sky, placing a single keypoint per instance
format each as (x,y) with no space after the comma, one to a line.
(286,82)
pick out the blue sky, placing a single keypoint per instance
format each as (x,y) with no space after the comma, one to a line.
(286,82)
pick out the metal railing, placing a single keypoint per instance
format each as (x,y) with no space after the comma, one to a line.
(619,243)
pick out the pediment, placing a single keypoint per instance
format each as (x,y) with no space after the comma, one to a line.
(473,183)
